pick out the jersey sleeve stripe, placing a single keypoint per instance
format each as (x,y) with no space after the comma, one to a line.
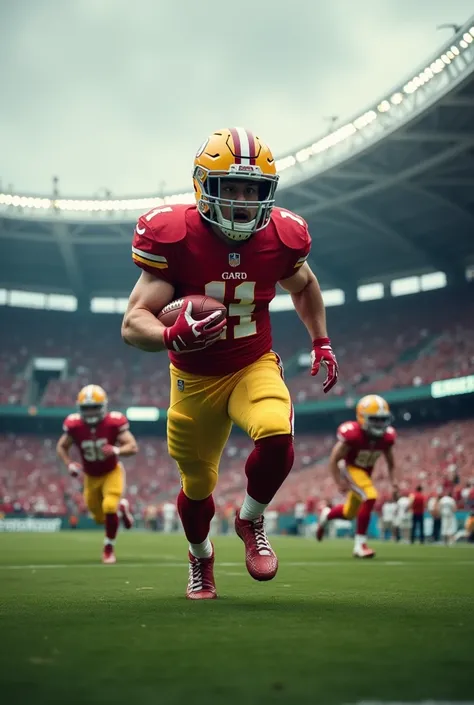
(148,262)
(301,261)
(148,255)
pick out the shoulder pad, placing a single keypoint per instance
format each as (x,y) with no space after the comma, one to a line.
(292,229)
(71,421)
(166,224)
(390,435)
(116,418)
(349,432)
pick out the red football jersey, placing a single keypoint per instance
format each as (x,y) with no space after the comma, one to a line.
(364,450)
(90,439)
(177,245)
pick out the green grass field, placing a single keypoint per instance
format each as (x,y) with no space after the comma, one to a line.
(328,629)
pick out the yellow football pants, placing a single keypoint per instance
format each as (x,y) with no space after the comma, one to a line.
(102,494)
(202,410)
(362,488)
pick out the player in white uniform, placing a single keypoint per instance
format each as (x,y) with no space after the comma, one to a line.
(169,517)
(389,513)
(402,520)
(448,518)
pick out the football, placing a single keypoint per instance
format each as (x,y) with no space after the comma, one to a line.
(203,306)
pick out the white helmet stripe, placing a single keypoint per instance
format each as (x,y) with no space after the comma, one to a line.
(244,145)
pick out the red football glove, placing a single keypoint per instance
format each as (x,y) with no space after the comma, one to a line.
(322,354)
(108,450)
(74,469)
(188,335)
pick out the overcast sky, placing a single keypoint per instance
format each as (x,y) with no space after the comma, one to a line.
(121,93)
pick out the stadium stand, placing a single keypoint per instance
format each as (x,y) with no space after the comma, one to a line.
(381,345)
(32,480)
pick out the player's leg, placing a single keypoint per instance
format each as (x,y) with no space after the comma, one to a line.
(362,485)
(198,428)
(422,528)
(413,529)
(347,511)
(260,404)
(112,490)
(93,497)
(125,513)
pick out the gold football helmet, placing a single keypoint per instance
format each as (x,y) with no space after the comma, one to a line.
(373,414)
(232,154)
(92,403)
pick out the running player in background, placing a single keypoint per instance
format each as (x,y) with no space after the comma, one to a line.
(360,444)
(102,437)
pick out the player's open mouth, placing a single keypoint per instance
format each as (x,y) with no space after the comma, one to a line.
(241,216)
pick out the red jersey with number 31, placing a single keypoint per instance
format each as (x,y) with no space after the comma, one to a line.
(90,439)
(177,245)
(364,450)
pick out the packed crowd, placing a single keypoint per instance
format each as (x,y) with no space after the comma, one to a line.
(383,347)
(32,480)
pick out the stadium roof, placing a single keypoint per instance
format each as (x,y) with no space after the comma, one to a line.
(390,193)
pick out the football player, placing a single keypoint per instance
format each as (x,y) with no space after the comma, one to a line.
(360,443)
(234,245)
(102,437)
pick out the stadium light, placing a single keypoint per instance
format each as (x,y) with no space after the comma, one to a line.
(61,302)
(333,297)
(452,387)
(142,413)
(404,286)
(27,299)
(384,106)
(433,280)
(370,292)
(103,304)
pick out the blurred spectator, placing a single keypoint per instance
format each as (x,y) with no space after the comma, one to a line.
(388,514)
(417,506)
(435,511)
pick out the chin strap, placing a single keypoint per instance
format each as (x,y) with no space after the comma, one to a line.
(240,231)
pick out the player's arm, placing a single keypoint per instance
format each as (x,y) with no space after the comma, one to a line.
(126,444)
(143,330)
(140,327)
(338,453)
(305,292)
(63,447)
(390,460)
(307,299)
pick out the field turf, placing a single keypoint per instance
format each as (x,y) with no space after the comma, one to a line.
(328,629)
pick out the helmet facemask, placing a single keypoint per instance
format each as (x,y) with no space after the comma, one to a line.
(211,203)
(92,413)
(377,424)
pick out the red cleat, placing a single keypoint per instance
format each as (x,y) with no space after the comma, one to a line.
(363,551)
(108,555)
(323,520)
(201,585)
(125,514)
(260,558)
